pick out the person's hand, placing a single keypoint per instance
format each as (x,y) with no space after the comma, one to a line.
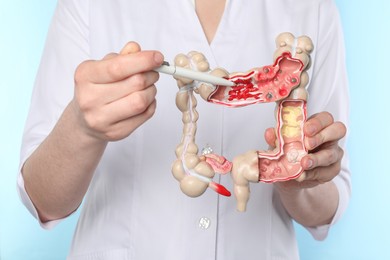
(115,95)
(323,162)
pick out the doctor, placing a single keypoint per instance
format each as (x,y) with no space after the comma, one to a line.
(103,126)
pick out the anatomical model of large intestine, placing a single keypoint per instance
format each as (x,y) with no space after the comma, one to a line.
(283,82)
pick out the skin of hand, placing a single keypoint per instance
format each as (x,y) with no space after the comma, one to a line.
(112,97)
(303,198)
(116,95)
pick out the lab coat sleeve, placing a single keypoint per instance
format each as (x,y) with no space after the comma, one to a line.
(328,91)
(66,47)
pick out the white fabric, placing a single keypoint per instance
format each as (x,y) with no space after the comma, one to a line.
(134,208)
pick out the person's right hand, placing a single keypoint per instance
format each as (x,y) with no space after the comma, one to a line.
(115,95)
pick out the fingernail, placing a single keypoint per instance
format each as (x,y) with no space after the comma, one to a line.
(158,58)
(309,164)
(312,143)
(301,177)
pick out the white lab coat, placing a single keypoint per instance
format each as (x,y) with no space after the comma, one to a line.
(134,208)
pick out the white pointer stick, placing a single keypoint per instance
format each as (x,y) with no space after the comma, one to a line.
(191,74)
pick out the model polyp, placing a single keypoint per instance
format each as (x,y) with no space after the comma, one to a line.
(283,82)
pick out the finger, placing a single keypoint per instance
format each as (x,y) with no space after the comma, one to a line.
(301,177)
(110,56)
(296,184)
(114,91)
(132,105)
(333,132)
(323,174)
(125,127)
(270,137)
(130,47)
(317,122)
(134,83)
(120,67)
(322,158)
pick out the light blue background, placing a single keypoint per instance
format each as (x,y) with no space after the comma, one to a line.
(364,231)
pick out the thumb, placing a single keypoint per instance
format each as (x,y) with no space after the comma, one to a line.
(130,47)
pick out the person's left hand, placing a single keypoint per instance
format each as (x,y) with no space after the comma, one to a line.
(323,162)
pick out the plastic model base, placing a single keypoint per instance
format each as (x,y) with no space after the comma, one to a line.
(283,82)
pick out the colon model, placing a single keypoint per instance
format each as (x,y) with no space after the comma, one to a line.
(283,82)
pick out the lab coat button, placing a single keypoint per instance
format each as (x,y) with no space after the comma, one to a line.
(204,223)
